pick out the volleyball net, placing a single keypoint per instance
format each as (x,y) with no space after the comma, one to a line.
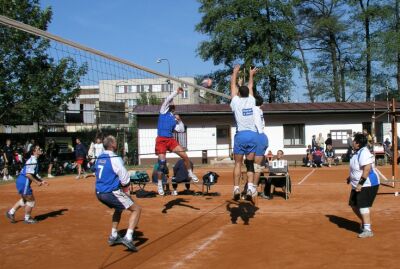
(111,88)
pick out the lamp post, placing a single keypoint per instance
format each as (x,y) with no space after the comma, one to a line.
(159,60)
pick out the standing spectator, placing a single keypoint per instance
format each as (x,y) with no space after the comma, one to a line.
(80,156)
(364,183)
(98,148)
(8,157)
(349,147)
(369,138)
(314,144)
(52,155)
(23,183)
(329,155)
(112,189)
(320,141)
(387,143)
(328,141)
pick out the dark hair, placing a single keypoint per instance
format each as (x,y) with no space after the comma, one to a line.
(360,139)
(244,91)
(259,100)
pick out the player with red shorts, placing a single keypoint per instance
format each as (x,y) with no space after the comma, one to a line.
(168,123)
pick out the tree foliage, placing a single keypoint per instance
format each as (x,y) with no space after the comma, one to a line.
(253,33)
(33,86)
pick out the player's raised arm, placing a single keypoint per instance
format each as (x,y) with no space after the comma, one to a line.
(252,72)
(167,102)
(234,88)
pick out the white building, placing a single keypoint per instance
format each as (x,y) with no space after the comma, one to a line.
(289,127)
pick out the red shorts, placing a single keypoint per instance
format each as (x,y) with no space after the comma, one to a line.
(79,161)
(165,143)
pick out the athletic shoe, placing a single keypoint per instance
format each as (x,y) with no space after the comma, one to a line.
(114,240)
(366,234)
(264,196)
(30,221)
(128,244)
(174,193)
(193,177)
(50,176)
(250,195)
(160,190)
(10,217)
(236,195)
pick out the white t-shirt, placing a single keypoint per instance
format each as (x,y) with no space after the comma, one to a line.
(98,149)
(259,119)
(243,109)
(360,159)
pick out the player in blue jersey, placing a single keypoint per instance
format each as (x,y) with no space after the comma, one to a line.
(29,174)
(364,181)
(112,189)
(246,136)
(168,123)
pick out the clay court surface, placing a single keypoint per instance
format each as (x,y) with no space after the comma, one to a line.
(313,229)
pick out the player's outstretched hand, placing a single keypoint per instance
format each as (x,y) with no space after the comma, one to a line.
(253,71)
(236,69)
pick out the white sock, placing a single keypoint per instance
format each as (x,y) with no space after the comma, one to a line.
(367,227)
(114,232)
(12,211)
(190,172)
(250,186)
(27,217)
(129,234)
(159,183)
(236,188)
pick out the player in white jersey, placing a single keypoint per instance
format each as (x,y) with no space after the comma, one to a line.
(364,182)
(262,139)
(242,105)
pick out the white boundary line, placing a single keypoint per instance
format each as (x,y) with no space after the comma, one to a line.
(304,178)
(380,173)
(200,248)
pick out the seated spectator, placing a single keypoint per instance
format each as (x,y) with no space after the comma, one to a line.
(386,143)
(328,141)
(308,159)
(329,155)
(180,175)
(389,153)
(269,156)
(317,157)
(273,182)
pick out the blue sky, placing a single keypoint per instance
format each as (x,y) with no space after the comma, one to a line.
(140,31)
(136,30)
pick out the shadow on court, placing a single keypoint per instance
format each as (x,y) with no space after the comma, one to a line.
(344,223)
(177,202)
(242,210)
(51,214)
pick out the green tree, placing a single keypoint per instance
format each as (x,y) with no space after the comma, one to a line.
(33,86)
(146,99)
(251,32)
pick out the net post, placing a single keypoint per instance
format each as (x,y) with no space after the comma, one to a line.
(394,142)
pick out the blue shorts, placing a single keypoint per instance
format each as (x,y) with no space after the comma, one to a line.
(116,199)
(262,144)
(245,142)
(23,185)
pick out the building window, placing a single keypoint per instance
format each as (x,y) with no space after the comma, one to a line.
(120,89)
(166,87)
(184,85)
(339,138)
(132,88)
(132,102)
(182,138)
(293,135)
(156,88)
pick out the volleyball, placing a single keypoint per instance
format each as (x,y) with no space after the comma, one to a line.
(206,83)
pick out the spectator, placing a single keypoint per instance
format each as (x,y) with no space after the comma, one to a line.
(8,157)
(330,155)
(308,160)
(328,141)
(269,156)
(80,156)
(386,143)
(369,138)
(52,155)
(320,141)
(349,153)
(317,157)
(313,143)
(181,175)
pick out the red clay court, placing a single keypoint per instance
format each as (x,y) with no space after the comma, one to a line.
(315,228)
